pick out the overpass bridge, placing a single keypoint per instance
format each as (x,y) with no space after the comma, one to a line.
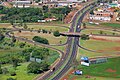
(70,34)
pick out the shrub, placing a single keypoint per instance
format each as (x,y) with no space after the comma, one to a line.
(56,33)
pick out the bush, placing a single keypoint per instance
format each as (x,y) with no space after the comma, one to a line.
(0,69)
(33,67)
(12,73)
(11,78)
(85,37)
(40,40)
(22,45)
(1,36)
(36,68)
(56,33)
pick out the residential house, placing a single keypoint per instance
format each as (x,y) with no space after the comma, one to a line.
(22,3)
(101,15)
(50,19)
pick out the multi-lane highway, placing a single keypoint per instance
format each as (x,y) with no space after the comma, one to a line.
(72,47)
(67,58)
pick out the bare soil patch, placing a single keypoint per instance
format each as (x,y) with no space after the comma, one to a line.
(105,38)
(110,70)
(66,77)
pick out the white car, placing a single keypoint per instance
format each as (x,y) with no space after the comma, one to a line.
(97,23)
(91,22)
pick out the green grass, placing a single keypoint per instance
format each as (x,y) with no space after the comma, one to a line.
(114,25)
(99,45)
(5,25)
(52,39)
(107,32)
(106,46)
(22,70)
(52,57)
(49,26)
(101,69)
(21,73)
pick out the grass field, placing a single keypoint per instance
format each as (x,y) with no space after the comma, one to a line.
(105,25)
(21,73)
(107,48)
(99,45)
(103,71)
(21,70)
(5,25)
(107,32)
(49,26)
(113,25)
(52,39)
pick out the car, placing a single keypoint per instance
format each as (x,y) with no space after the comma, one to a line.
(91,22)
(51,70)
(33,41)
(97,23)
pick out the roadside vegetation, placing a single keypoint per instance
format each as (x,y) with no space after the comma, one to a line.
(102,71)
(15,55)
(20,15)
(113,25)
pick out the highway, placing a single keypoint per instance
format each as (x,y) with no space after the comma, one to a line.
(67,58)
(72,47)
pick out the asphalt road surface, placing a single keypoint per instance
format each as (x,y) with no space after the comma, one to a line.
(71,50)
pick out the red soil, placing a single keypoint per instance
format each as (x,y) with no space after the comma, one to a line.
(66,77)
(68,18)
(103,39)
(110,70)
(107,49)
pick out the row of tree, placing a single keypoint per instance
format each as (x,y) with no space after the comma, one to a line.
(40,40)
(32,14)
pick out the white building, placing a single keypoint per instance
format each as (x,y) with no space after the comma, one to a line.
(22,4)
(101,15)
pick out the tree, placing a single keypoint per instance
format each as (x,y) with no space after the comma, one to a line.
(1,36)
(45,9)
(101,32)
(40,40)
(44,66)
(11,78)
(113,34)
(92,12)
(0,69)
(84,25)
(19,31)
(12,73)
(25,26)
(36,68)
(14,61)
(56,33)
(110,1)
(13,39)
(44,31)
(22,45)
(85,37)
(4,70)
(41,53)
(33,67)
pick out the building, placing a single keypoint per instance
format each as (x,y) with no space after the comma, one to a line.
(22,3)
(101,15)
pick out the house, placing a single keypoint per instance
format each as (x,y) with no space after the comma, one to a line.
(101,14)
(50,19)
(21,4)
(50,4)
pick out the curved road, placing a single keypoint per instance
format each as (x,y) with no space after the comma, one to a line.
(71,51)
(72,47)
